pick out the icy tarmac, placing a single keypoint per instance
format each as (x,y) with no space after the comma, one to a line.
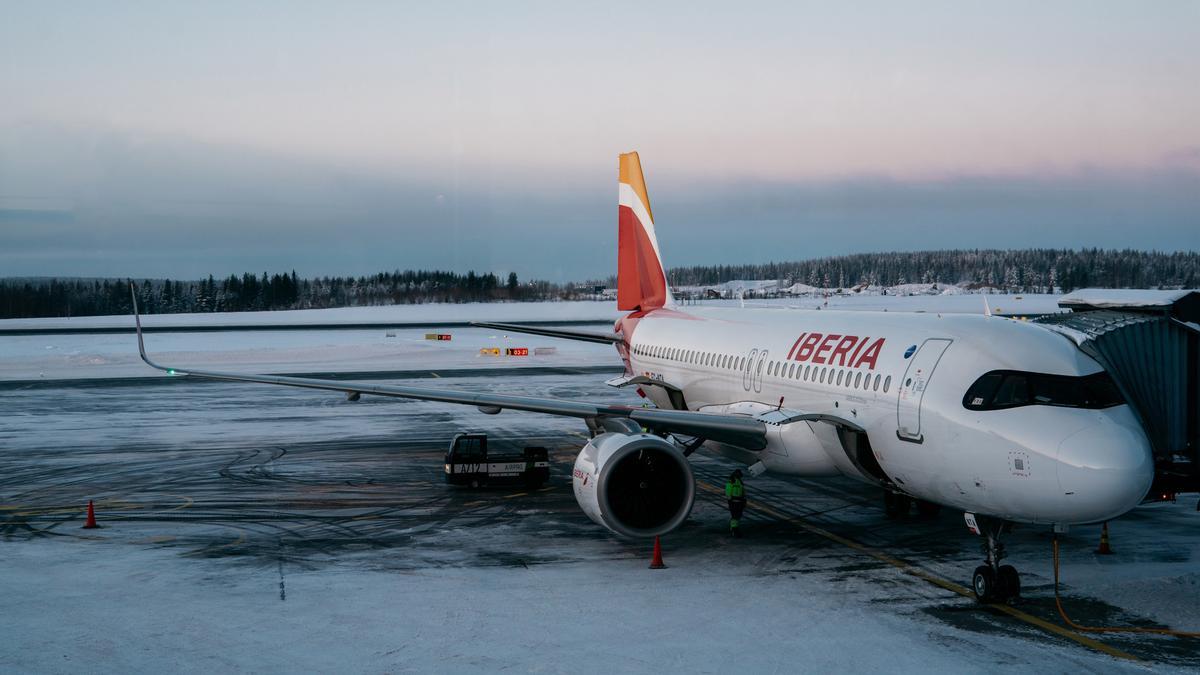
(261,528)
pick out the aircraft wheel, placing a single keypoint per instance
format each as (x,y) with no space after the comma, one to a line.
(984,584)
(1008,583)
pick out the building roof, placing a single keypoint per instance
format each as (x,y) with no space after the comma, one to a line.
(1123,298)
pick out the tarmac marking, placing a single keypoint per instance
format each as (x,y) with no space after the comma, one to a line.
(435,375)
(518,494)
(924,575)
(241,539)
(187,502)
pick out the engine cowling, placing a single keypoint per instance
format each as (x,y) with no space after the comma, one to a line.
(637,485)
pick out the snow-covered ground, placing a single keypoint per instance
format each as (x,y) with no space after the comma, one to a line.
(432,313)
(76,356)
(221,553)
(545,311)
(103,608)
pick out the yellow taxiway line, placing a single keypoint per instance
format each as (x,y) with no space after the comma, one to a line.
(929,577)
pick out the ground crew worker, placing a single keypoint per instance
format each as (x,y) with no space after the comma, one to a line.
(735,493)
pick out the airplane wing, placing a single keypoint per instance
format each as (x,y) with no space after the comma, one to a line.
(739,431)
(582,335)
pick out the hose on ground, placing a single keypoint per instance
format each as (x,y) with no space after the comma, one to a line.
(1106,629)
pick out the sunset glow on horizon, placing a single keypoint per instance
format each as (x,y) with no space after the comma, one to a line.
(274,116)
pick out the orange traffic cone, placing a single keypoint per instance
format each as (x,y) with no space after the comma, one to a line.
(91,518)
(1104,549)
(656,562)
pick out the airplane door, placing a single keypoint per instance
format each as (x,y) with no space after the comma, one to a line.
(758,370)
(912,388)
(748,369)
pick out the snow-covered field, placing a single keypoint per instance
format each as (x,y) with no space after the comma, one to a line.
(76,356)
(545,311)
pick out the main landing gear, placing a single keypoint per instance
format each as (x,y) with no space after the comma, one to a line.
(993,582)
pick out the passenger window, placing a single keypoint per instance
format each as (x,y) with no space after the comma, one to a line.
(887,382)
(839,378)
(876,387)
(857,380)
(807,372)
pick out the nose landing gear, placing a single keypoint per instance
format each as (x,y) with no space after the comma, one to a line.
(993,582)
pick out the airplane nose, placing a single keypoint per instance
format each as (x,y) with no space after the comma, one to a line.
(1104,470)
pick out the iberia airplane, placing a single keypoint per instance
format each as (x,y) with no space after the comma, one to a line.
(1004,420)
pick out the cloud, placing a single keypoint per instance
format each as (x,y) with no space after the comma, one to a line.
(107,203)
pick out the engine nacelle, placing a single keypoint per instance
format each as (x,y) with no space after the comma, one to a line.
(637,485)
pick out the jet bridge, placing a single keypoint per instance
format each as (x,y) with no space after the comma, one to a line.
(1149,341)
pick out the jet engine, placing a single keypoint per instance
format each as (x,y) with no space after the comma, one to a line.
(635,484)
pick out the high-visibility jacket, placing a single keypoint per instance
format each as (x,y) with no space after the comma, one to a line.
(735,490)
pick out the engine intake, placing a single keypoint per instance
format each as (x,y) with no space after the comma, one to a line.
(637,485)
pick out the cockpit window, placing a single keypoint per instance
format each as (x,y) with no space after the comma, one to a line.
(1010,389)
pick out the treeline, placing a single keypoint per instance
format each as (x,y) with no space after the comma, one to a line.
(1026,270)
(26,298)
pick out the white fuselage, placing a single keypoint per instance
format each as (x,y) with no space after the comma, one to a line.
(901,378)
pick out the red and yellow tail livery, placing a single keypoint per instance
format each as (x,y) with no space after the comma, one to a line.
(641,277)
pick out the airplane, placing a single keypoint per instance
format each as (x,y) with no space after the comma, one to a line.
(1001,419)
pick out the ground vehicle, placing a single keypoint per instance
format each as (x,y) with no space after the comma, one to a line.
(468,462)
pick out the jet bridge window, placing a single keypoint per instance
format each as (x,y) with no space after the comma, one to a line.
(1001,389)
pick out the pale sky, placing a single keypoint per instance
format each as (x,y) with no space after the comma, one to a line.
(156,138)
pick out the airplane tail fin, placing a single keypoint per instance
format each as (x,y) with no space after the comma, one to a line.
(641,277)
